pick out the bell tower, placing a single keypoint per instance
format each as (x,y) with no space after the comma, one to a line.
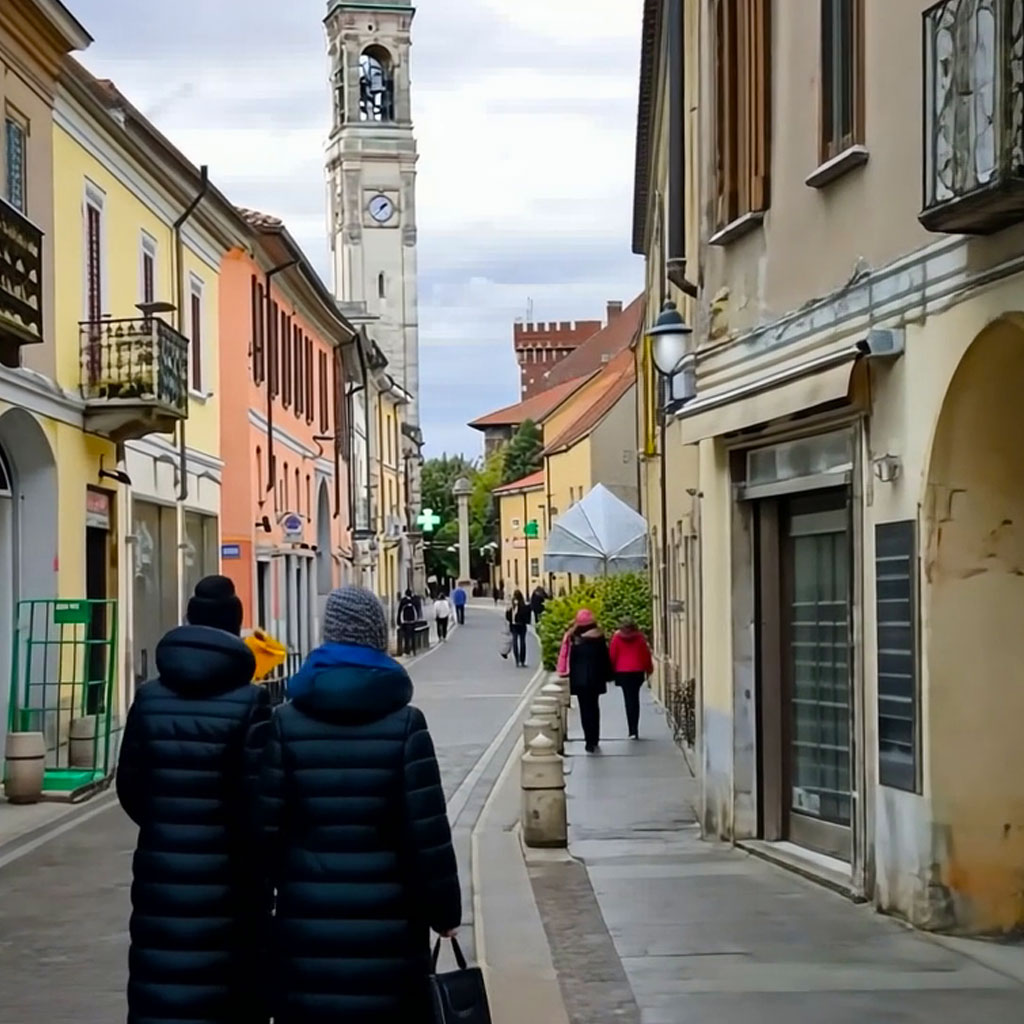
(371,177)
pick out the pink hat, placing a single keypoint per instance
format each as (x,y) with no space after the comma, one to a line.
(585,617)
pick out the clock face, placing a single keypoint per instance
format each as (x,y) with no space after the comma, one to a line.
(381,209)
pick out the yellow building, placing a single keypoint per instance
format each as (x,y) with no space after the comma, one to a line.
(141,234)
(523,524)
(851,401)
(40,421)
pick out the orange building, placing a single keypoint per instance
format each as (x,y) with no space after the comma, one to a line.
(287,356)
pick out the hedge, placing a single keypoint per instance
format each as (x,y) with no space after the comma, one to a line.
(611,599)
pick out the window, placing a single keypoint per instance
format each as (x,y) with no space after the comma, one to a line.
(300,380)
(93,255)
(284,490)
(196,333)
(324,421)
(742,108)
(308,373)
(842,76)
(275,366)
(286,361)
(534,568)
(259,365)
(147,268)
(15,161)
(381,290)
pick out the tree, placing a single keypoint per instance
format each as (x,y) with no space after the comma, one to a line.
(522,455)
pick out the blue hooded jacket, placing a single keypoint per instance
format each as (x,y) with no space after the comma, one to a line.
(357,843)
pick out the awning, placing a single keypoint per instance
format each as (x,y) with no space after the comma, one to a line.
(775,396)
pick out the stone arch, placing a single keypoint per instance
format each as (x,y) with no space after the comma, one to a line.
(973,635)
(33,470)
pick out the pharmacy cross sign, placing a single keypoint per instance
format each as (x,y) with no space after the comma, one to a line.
(428,519)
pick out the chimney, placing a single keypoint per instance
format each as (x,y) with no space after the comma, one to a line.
(614,310)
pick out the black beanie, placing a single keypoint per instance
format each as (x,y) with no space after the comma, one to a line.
(215,604)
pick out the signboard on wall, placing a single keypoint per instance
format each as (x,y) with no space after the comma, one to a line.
(292,526)
(229,551)
(97,509)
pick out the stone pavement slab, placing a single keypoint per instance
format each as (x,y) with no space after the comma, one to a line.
(707,934)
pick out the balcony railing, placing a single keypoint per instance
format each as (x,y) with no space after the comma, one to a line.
(21,279)
(134,376)
(973,116)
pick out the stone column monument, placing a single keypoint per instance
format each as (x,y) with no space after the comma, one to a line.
(462,490)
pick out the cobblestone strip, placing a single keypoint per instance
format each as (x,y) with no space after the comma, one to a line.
(594,985)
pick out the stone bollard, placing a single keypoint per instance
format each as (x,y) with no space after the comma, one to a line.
(543,783)
(560,693)
(551,712)
(24,767)
(534,726)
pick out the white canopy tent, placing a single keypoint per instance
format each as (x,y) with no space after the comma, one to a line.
(599,536)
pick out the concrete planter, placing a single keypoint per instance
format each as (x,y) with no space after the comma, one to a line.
(82,746)
(24,765)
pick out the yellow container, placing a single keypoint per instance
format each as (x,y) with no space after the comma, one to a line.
(269,654)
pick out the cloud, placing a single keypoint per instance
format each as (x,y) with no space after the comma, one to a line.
(524,114)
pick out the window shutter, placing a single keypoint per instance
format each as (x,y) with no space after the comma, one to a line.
(758,96)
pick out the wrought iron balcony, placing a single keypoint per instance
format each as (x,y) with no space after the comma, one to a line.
(134,377)
(21,283)
(973,116)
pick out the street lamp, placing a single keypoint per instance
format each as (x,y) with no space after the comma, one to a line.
(670,343)
(670,340)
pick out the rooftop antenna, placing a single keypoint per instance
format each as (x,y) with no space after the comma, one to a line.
(529,310)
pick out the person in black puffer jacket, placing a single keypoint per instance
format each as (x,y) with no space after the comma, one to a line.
(355,833)
(199,906)
(590,668)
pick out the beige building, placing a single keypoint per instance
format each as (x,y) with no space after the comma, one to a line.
(520,503)
(850,424)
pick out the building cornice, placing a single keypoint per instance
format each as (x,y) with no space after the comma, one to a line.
(646,110)
(38,394)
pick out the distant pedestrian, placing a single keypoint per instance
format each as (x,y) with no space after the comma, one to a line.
(199,905)
(354,833)
(518,616)
(632,664)
(538,599)
(408,616)
(442,615)
(459,599)
(589,671)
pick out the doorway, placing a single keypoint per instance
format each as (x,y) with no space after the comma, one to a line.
(263,595)
(97,548)
(806,698)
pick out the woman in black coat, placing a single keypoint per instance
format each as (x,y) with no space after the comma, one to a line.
(355,833)
(518,616)
(590,668)
(198,904)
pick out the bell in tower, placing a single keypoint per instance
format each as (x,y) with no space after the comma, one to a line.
(376,85)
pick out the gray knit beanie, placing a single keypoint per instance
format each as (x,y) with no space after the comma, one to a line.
(355,616)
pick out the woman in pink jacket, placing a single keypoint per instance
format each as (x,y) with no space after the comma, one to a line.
(632,664)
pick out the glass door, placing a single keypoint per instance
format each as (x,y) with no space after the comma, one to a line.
(817,676)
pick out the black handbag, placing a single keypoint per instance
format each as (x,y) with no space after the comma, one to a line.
(459,997)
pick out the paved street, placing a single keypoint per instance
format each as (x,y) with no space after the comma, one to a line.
(64,906)
(651,925)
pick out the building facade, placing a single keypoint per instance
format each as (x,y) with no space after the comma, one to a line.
(852,413)
(521,503)
(142,235)
(43,497)
(286,539)
(540,347)
(371,179)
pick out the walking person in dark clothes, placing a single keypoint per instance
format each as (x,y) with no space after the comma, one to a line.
(538,599)
(459,599)
(518,615)
(589,671)
(408,615)
(632,664)
(354,833)
(200,907)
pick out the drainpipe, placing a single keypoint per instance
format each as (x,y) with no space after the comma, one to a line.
(179,262)
(179,273)
(664,522)
(675,254)
(272,353)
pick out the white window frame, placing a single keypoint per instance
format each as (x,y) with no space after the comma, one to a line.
(94,196)
(197,289)
(148,246)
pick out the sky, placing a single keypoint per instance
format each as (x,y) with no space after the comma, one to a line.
(525,115)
